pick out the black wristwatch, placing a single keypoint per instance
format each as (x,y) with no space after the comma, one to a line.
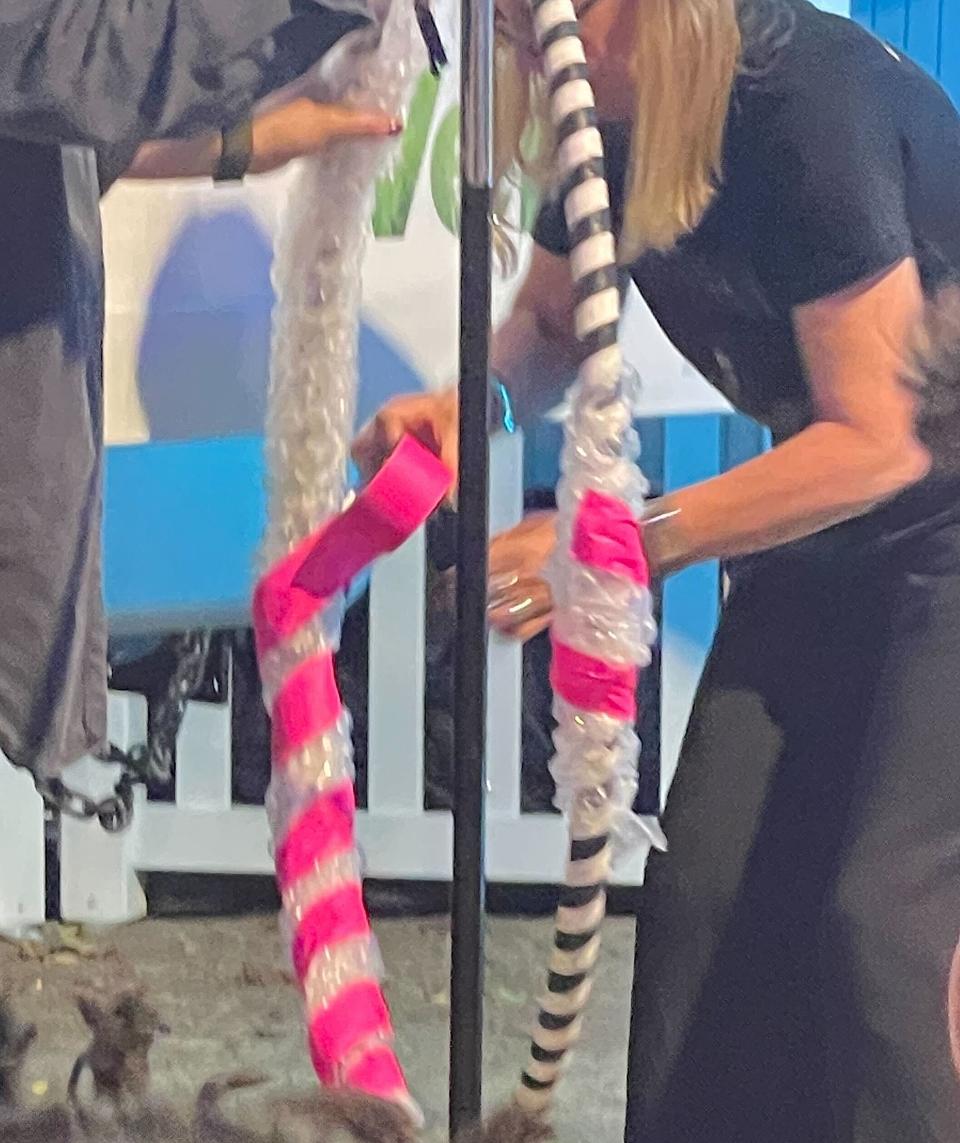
(236,153)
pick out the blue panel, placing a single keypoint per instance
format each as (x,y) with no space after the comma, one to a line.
(741,439)
(652,430)
(950,47)
(692,454)
(542,443)
(182,525)
(923,33)
(890,21)
(862,10)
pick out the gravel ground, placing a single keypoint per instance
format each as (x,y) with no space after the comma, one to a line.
(220,985)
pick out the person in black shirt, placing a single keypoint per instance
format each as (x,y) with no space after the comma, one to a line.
(785,188)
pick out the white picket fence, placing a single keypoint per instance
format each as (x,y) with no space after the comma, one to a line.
(201,831)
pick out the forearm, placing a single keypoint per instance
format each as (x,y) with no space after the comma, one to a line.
(535,365)
(825,475)
(176,159)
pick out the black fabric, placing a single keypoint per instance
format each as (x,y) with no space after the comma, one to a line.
(53,642)
(90,73)
(793,948)
(840,160)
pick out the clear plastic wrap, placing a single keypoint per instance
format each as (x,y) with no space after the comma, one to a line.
(322,633)
(606,616)
(317,279)
(329,974)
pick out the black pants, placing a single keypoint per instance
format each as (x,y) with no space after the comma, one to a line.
(793,948)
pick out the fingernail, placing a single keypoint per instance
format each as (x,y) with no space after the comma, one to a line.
(396,127)
(500,582)
(520,606)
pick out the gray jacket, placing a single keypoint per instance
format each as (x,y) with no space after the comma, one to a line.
(82,84)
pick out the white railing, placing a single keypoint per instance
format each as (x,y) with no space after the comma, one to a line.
(201,831)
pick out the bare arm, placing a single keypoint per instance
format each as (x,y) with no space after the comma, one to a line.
(861,450)
(300,127)
(176,159)
(535,351)
(534,354)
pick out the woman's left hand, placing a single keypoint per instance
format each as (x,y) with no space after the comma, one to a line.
(306,127)
(519,601)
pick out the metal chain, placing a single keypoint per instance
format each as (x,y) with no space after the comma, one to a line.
(115,812)
(153,760)
(147,762)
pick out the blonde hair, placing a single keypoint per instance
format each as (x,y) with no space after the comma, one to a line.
(684,63)
(523,147)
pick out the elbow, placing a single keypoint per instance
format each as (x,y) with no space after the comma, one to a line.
(558,335)
(893,468)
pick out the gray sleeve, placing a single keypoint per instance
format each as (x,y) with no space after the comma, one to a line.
(109,74)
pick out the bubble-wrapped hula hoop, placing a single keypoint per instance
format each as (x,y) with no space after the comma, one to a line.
(603,625)
(309,555)
(602,628)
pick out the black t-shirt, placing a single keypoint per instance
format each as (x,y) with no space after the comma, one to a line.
(839,161)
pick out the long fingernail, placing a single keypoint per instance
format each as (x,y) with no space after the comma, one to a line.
(395,127)
(520,605)
(500,582)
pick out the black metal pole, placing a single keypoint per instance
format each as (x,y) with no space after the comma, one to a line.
(470,684)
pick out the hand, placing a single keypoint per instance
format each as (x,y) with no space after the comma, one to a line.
(305,127)
(430,417)
(519,601)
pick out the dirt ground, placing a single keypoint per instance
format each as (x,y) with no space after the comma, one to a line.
(221,986)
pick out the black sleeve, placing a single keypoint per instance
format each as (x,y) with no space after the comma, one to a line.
(111,73)
(550,230)
(825,182)
(113,164)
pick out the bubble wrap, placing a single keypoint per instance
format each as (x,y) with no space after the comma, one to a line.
(600,614)
(317,280)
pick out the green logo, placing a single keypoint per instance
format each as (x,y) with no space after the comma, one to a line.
(395,190)
(445,170)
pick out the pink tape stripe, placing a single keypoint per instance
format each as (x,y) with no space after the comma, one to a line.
(388,511)
(359,1013)
(339,916)
(377,1073)
(307,704)
(279,608)
(321,832)
(592,685)
(606,537)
